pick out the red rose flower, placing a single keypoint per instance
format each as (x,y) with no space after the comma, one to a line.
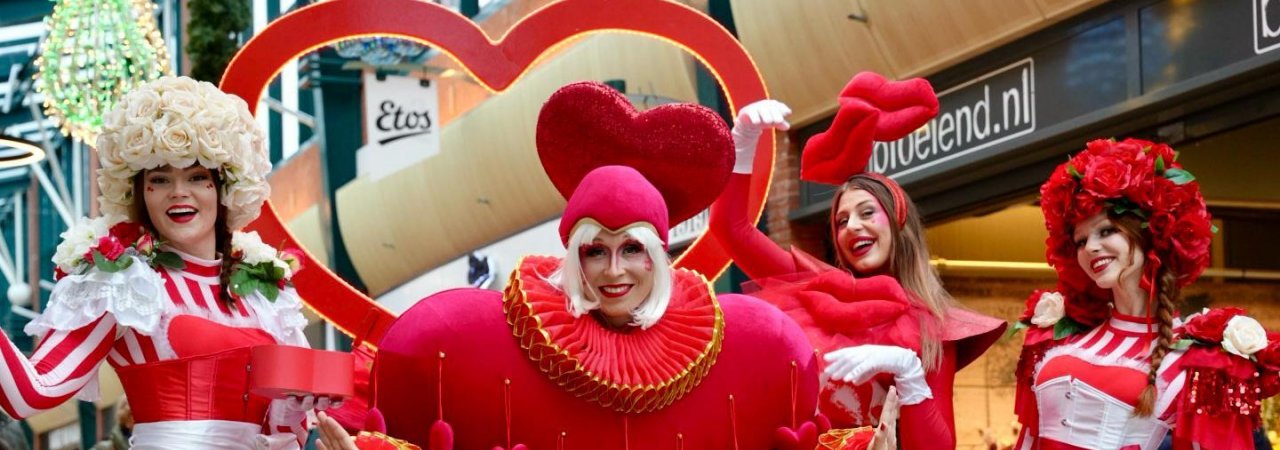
(1269,358)
(1107,177)
(1032,300)
(1208,327)
(1087,310)
(127,232)
(109,247)
(1190,237)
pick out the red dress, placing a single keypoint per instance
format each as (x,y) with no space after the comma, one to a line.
(1083,390)
(502,369)
(836,310)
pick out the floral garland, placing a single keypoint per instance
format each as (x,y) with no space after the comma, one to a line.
(178,121)
(260,267)
(103,242)
(1135,177)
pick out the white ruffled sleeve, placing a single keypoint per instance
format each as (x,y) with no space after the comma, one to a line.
(134,296)
(282,318)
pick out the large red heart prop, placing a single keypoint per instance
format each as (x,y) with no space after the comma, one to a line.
(496,65)
(684,150)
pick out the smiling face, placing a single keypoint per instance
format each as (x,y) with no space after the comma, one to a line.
(182,205)
(1106,254)
(863,235)
(618,273)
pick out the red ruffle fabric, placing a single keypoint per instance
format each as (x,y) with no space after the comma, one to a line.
(633,370)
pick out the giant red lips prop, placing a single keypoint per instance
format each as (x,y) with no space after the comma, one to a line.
(496,65)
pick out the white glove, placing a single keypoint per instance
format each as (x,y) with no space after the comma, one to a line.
(752,119)
(292,412)
(860,363)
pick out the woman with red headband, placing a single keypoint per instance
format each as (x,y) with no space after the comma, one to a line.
(880,316)
(1105,363)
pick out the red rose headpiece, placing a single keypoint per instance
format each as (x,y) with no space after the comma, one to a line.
(681,153)
(1136,177)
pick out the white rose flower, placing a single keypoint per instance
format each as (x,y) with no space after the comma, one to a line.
(1244,336)
(140,106)
(79,239)
(1049,309)
(283,266)
(213,151)
(183,103)
(136,142)
(252,248)
(169,82)
(113,120)
(174,143)
(113,188)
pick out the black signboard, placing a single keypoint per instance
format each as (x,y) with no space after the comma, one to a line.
(1266,25)
(983,112)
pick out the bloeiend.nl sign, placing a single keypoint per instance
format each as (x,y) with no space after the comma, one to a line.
(973,116)
(401,120)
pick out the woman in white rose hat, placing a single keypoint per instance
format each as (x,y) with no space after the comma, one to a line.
(1105,364)
(163,287)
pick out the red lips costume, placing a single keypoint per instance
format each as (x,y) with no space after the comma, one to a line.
(470,368)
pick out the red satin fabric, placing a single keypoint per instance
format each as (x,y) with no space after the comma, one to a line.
(210,387)
(208,381)
(195,336)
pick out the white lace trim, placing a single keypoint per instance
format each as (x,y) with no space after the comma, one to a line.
(135,296)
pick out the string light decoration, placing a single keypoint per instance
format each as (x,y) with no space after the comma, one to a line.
(96,51)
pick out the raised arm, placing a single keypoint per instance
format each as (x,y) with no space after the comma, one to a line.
(63,363)
(754,252)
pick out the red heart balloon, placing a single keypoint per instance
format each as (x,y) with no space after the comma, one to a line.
(684,150)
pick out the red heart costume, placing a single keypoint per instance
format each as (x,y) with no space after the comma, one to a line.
(470,368)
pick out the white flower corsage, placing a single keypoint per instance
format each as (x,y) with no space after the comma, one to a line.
(260,267)
(1049,310)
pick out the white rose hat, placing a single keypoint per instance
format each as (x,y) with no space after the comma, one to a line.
(179,121)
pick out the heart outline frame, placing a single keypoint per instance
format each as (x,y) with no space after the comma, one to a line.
(496,65)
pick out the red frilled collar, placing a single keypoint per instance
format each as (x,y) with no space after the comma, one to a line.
(638,370)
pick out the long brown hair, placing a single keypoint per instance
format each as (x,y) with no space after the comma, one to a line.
(1166,297)
(908,261)
(221,235)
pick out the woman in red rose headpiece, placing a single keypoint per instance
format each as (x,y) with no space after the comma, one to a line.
(880,316)
(606,346)
(1104,364)
(164,287)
